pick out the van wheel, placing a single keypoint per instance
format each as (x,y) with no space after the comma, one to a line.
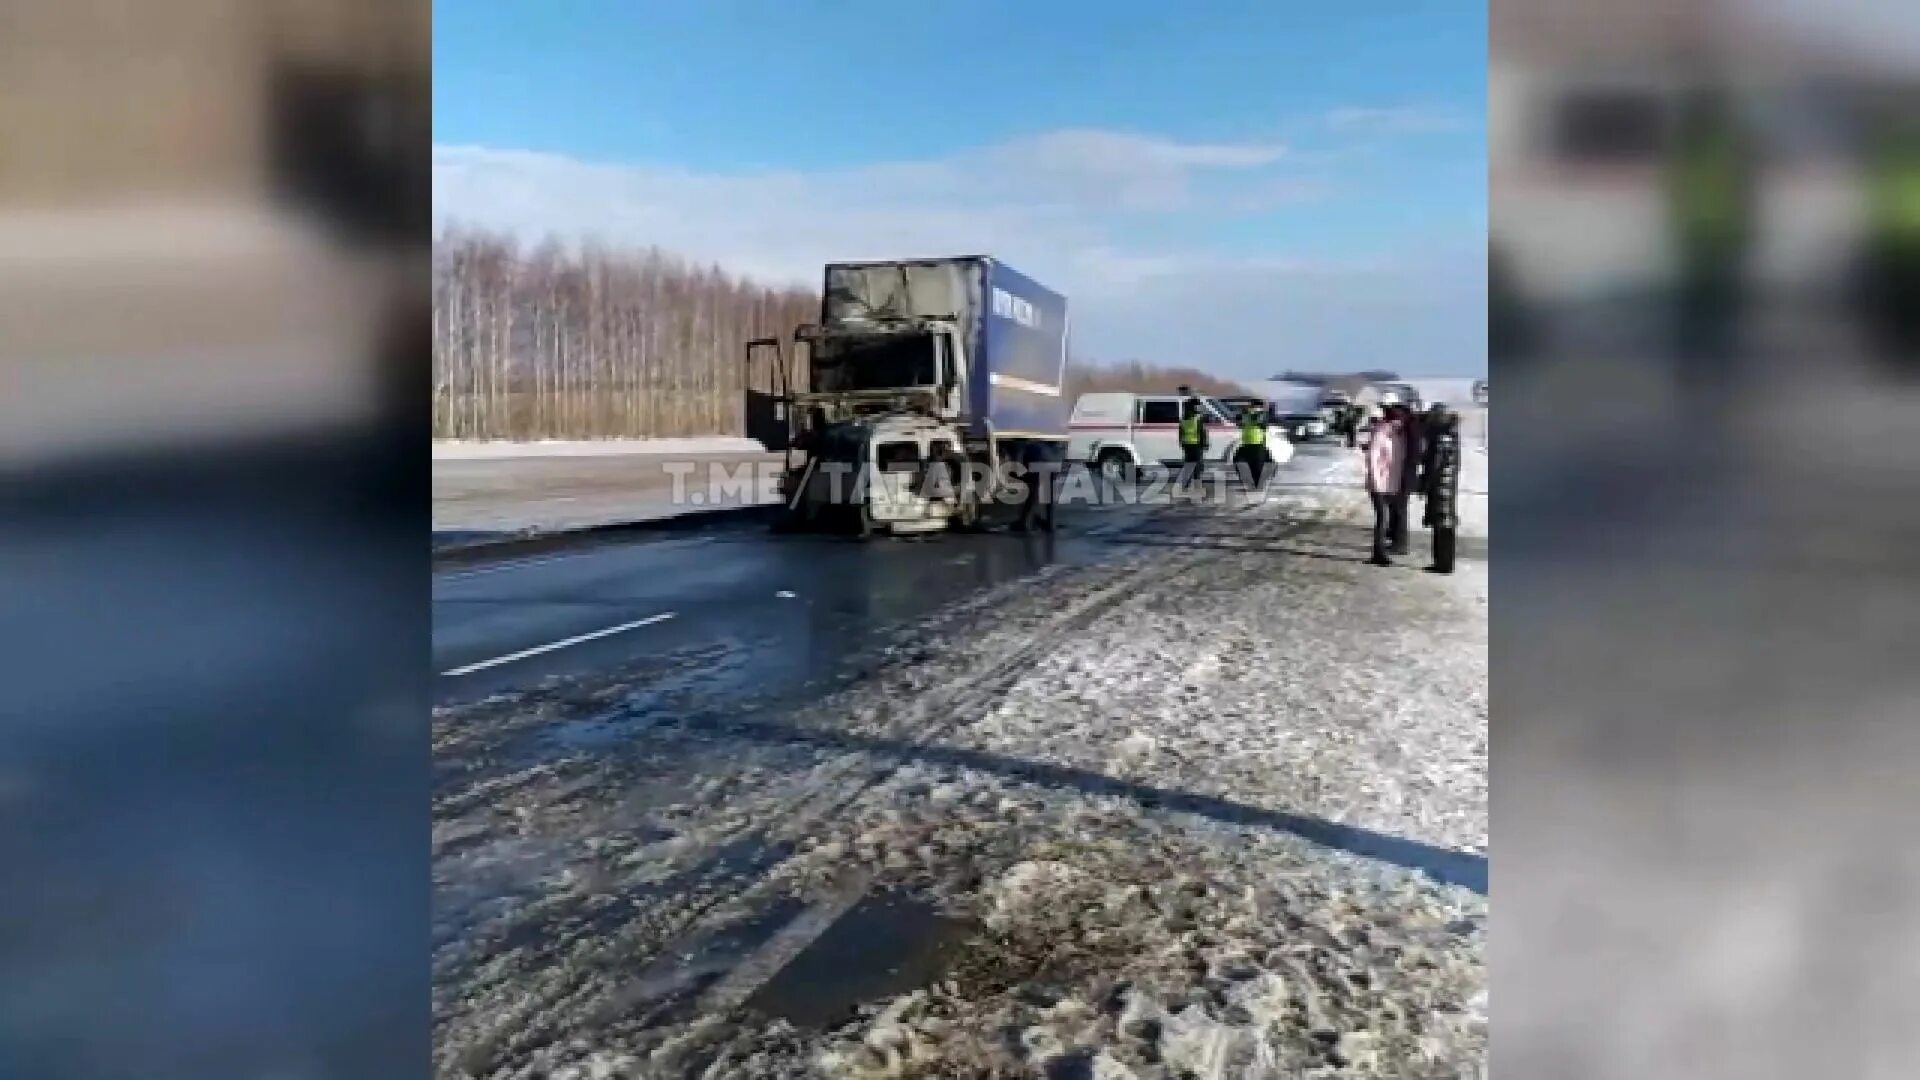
(1116,467)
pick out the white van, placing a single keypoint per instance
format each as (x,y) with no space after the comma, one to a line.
(1122,433)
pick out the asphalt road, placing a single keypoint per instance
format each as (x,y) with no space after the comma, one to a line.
(780,610)
(480,496)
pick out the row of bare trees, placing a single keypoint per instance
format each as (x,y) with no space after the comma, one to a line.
(588,343)
(1088,377)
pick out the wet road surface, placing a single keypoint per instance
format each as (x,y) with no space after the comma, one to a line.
(787,608)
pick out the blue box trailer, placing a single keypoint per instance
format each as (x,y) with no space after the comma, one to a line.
(1014,329)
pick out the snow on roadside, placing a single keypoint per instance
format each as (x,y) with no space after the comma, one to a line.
(1160,822)
(1200,939)
(461,450)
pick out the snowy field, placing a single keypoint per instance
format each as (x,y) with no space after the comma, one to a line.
(455,450)
(1214,809)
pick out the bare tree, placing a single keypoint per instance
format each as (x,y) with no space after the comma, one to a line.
(599,343)
(1086,377)
(592,343)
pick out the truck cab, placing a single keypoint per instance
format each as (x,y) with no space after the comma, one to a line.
(923,379)
(904,363)
(881,410)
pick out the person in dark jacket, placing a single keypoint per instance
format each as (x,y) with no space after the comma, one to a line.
(1440,485)
(1892,255)
(1431,423)
(1412,429)
(1352,419)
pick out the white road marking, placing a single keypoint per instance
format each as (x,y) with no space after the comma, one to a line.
(538,649)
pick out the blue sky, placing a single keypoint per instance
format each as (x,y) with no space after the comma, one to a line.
(1247,187)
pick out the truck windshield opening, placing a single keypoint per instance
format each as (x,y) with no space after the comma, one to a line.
(878,362)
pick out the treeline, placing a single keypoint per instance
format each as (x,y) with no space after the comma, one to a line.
(590,343)
(557,343)
(1339,379)
(1088,377)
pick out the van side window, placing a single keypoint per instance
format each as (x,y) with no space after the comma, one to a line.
(1609,127)
(1159,412)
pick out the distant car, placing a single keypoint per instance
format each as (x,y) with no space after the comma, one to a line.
(1303,426)
(1122,433)
(1401,394)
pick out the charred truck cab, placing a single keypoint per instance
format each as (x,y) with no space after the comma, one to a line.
(925,381)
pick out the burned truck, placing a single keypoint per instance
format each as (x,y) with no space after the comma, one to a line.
(934,399)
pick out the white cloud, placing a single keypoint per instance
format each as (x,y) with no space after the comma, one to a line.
(1398,120)
(1051,195)
(1116,153)
(1058,205)
(1123,170)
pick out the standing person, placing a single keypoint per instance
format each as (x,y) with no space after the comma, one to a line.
(1440,484)
(1412,443)
(1892,263)
(1431,423)
(1193,442)
(1711,194)
(1253,445)
(1386,469)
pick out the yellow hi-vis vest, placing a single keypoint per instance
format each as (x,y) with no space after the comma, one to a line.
(1706,193)
(1190,430)
(1253,430)
(1895,198)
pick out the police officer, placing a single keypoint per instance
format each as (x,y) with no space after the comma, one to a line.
(1253,450)
(1193,442)
(1893,239)
(1711,212)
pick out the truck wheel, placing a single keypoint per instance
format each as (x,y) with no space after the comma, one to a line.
(966,513)
(1116,467)
(796,519)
